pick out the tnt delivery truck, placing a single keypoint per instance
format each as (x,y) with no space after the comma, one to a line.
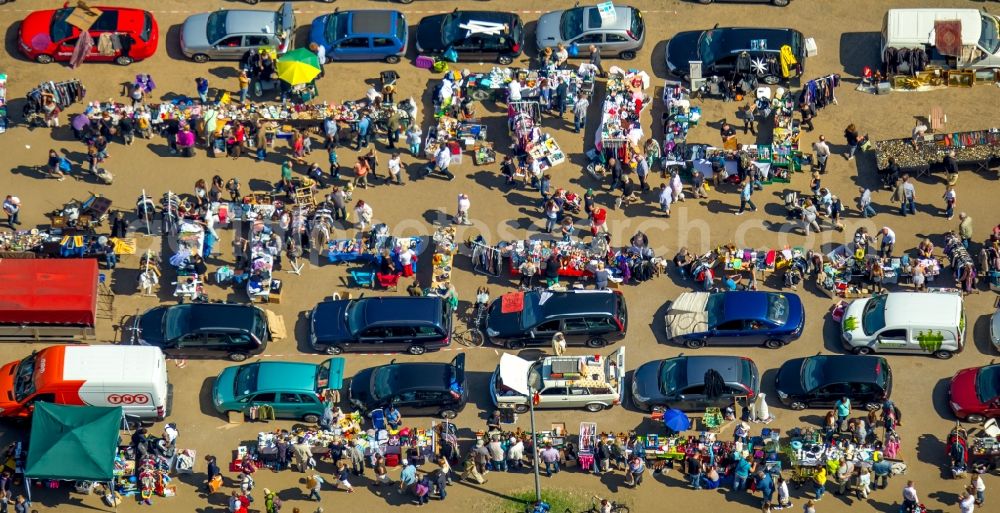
(133,377)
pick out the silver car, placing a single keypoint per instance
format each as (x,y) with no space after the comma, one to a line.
(567,381)
(620,35)
(227,34)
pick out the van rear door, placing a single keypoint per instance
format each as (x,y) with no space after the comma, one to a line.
(330,375)
(614,372)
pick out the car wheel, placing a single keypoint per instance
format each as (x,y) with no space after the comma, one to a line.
(975,419)
(780,3)
(594,407)
(863,350)
(773,344)
(873,406)
(237,357)
(406,2)
(694,343)
(311,418)
(797,405)
(199,57)
(516,345)
(596,343)
(333,350)
(505,60)
(521,408)
(627,56)
(770,80)
(943,355)
(416,349)
(252,2)
(704,2)
(328,1)
(43,59)
(448,414)
(123,60)
(392,59)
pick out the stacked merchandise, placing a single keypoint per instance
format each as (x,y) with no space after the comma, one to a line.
(64,93)
(576,258)
(190,242)
(785,135)
(621,130)
(678,117)
(265,248)
(980,146)
(443,259)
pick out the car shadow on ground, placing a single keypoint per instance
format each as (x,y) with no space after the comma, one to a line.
(205,399)
(859,49)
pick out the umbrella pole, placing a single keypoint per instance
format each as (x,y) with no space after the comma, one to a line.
(531,410)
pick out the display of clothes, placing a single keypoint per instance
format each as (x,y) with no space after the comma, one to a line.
(820,91)
(64,93)
(486,259)
(910,59)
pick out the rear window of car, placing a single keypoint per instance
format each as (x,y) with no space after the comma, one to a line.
(106,22)
(147,26)
(777,308)
(401,30)
(637,25)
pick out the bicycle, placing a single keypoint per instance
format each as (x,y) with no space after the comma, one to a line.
(595,506)
(473,335)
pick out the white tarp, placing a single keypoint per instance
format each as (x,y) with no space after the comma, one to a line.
(514,373)
(687,314)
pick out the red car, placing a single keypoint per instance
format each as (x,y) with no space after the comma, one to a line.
(46,36)
(975,393)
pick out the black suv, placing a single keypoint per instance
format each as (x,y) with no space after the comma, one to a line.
(586,317)
(723,51)
(381,324)
(203,330)
(474,35)
(822,380)
(415,388)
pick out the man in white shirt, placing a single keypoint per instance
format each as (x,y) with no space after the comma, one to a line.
(822,150)
(442,160)
(865,203)
(395,166)
(910,499)
(966,503)
(888,242)
(514,91)
(580,113)
(462,217)
(406,261)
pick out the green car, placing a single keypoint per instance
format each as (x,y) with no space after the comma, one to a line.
(292,389)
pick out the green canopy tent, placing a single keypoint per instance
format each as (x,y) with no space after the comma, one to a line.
(72,443)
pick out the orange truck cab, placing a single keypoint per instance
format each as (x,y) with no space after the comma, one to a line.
(133,377)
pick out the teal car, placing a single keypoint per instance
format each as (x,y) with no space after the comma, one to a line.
(292,389)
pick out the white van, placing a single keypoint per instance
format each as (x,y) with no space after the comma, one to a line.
(914,28)
(906,322)
(133,377)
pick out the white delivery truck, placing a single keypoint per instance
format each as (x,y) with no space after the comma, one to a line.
(133,377)
(973,37)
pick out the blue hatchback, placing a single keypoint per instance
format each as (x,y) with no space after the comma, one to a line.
(771,319)
(363,35)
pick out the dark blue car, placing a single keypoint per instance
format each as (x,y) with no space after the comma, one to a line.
(363,35)
(770,319)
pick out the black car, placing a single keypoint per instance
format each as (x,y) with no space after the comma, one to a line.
(586,317)
(473,35)
(820,381)
(202,330)
(383,324)
(680,382)
(754,52)
(415,388)
(779,3)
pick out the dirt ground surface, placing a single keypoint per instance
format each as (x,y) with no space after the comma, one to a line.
(846,32)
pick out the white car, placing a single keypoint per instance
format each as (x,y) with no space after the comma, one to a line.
(590,382)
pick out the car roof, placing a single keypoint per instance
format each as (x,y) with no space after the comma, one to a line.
(733,39)
(419,375)
(577,302)
(849,368)
(401,309)
(216,315)
(903,308)
(916,26)
(246,21)
(728,366)
(745,305)
(372,21)
(286,376)
(622,21)
(487,16)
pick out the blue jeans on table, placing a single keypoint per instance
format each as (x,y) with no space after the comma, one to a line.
(551,468)
(907,206)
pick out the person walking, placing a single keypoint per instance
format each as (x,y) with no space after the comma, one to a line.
(344,475)
(843,409)
(950,198)
(595,60)
(244,81)
(550,458)
(784,499)
(314,483)
(864,479)
(413,135)
(12,207)
(809,217)
(372,159)
(201,86)
(364,213)
(910,498)
(822,151)
(745,192)
(853,141)
(909,194)
(965,229)
(865,203)
(361,171)
(558,343)
(819,483)
(442,159)
(395,166)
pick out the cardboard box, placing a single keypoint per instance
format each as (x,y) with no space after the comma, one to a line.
(811,49)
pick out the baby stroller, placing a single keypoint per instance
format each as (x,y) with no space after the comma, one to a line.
(793,205)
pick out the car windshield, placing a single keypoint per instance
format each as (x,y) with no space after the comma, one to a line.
(988,383)
(176,322)
(777,308)
(60,29)
(873,317)
(532,311)
(990,38)
(812,372)
(571,23)
(216,26)
(673,375)
(450,30)
(715,309)
(385,381)
(336,26)
(24,380)
(246,380)
(355,317)
(708,45)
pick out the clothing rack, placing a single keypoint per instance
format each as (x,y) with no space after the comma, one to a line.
(65,93)
(821,91)
(486,259)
